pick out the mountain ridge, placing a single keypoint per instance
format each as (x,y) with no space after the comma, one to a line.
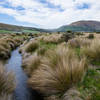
(16,28)
(83,26)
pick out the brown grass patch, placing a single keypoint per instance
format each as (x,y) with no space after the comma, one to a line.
(7,84)
(59,70)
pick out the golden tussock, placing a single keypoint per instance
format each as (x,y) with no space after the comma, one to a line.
(59,70)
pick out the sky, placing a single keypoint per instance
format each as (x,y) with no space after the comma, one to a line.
(48,14)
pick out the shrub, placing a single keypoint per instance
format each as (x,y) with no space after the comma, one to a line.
(91,36)
(67,36)
(97,32)
(59,70)
(69,31)
(79,33)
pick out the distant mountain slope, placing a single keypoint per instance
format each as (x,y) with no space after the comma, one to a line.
(6,28)
(86,26)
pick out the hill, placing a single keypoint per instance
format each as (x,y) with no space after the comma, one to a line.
(6,28)
(85,26)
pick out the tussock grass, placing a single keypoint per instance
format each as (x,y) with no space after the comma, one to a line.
(79,42)
(53,97)
(31,46)
(19,41)
(42,51)
(4,53)
(72,94)
(92,51)
(32,63)
(7,44)
(11,41)
(4,44)
(53,38)
(6,97)
(7,84)
(59,70)
(22,47)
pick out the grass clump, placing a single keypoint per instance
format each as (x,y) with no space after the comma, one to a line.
(79,42)
(7,84)
(4,53)
(41,50)
(9,42)
(32,63)
(92,52)
(59,70)
(31,46)
(52,38)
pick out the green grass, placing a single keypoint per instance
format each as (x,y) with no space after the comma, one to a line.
(48,45)
(26,31)
(97,63)
(5,31)
(30,31)
(90,87)
(77,51)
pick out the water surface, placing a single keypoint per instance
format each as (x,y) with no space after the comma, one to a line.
(22,91)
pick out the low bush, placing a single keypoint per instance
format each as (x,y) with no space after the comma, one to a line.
(67,36)
(91,36)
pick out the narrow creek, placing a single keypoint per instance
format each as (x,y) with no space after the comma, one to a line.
(22,91)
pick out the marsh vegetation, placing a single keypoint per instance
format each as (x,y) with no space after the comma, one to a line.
(58,66)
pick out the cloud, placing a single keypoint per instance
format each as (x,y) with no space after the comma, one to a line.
(51,13)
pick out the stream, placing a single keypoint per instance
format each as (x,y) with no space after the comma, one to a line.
(22,91)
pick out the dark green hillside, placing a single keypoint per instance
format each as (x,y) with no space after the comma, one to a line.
(85,26)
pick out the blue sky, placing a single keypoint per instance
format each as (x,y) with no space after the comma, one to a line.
(48,13)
